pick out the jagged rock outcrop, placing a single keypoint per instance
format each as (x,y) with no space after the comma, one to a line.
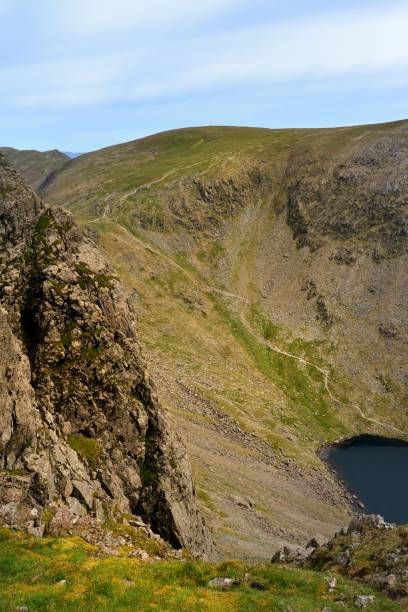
(80,424)
(202,205)
(369,549)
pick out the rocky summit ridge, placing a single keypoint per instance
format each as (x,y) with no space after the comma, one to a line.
(81,429)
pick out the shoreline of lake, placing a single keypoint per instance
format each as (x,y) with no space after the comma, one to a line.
(374,471)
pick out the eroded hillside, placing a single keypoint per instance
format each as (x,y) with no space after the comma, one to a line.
(269,271)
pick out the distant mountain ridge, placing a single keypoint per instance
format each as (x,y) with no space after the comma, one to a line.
(72,155)
(35,166)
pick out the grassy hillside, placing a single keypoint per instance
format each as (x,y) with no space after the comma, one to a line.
(35,166)
(268,274)
(68,574)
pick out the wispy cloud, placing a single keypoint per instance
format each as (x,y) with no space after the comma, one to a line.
(101,16)
(61,82)
(340,44)
(356,42)
(73,57)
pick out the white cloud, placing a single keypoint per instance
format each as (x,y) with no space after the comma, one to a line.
(90,72)
(97,16)
(60,82)
(360,43)
(349,44)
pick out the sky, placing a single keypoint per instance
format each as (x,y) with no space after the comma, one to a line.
(78,75)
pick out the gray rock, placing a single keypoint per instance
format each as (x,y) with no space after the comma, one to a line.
(331,582)
(315,542)
(392,559)
(390,580)
(243,502)
(364,601)
(223,583)
(292,554)
(344,558)
(368,521)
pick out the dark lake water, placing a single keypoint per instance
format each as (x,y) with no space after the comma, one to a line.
(376,470)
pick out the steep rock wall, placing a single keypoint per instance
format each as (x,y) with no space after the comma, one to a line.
(81,426)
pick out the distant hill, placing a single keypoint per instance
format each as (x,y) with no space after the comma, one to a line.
(35,166)
(72,155)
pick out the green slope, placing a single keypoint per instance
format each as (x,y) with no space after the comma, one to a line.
(35,166)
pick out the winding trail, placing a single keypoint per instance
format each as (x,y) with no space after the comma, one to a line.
(245,302)
(326,376)
(145,186)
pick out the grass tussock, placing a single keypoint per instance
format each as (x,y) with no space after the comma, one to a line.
(87,448)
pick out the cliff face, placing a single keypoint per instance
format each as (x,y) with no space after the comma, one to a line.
(359,199)
(81,427)
(347,215)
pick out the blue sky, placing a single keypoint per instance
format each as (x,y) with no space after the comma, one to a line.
(82,74)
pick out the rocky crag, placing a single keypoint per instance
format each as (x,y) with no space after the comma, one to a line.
(81,429)
(369,550)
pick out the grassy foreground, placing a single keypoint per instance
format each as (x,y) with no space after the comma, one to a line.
(68,574)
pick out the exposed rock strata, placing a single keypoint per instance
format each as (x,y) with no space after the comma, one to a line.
(80,423)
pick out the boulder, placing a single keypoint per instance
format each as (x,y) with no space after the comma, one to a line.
(291,554)
(315,542)
(364,601)
(331,582)
(223,583)
(368,521)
